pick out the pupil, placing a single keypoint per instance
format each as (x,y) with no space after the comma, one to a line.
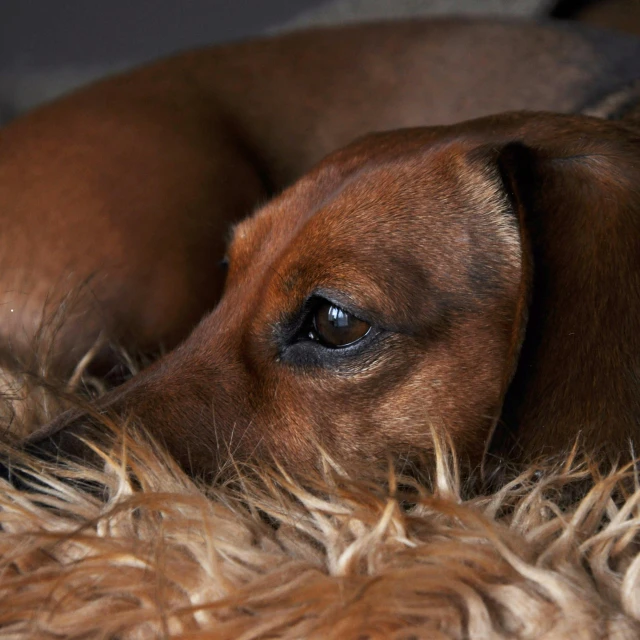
(338,318)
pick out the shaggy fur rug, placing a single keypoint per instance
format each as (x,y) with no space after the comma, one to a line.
(139,550)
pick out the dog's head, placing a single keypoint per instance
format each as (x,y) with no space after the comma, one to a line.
(441,280)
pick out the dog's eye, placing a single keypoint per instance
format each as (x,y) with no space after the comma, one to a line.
(334,327)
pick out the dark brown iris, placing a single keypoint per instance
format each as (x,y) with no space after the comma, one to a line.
(336,327)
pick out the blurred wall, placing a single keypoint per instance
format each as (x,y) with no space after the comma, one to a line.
(57,33)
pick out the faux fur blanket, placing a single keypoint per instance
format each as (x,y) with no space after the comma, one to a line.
(138,550)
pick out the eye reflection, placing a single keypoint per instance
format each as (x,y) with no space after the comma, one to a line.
(337,317)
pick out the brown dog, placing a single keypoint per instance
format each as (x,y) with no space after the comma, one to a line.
(422,279)
(389,291)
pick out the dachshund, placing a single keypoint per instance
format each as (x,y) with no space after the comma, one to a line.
(476,279)
(481,280)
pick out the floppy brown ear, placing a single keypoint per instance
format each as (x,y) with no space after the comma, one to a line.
(578,367)
(511,167)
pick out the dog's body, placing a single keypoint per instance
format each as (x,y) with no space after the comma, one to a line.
(462,274)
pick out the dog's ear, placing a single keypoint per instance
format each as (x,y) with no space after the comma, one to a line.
(578,208)
(510,169)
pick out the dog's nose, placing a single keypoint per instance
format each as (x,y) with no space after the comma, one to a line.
(64,438)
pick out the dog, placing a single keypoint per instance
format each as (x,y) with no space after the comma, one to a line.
(449,279)
(462,279)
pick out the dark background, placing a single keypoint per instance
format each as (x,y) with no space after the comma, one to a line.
(55,33)
(48,47)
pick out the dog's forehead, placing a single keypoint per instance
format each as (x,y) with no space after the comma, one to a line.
(359,189)
(401,225)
